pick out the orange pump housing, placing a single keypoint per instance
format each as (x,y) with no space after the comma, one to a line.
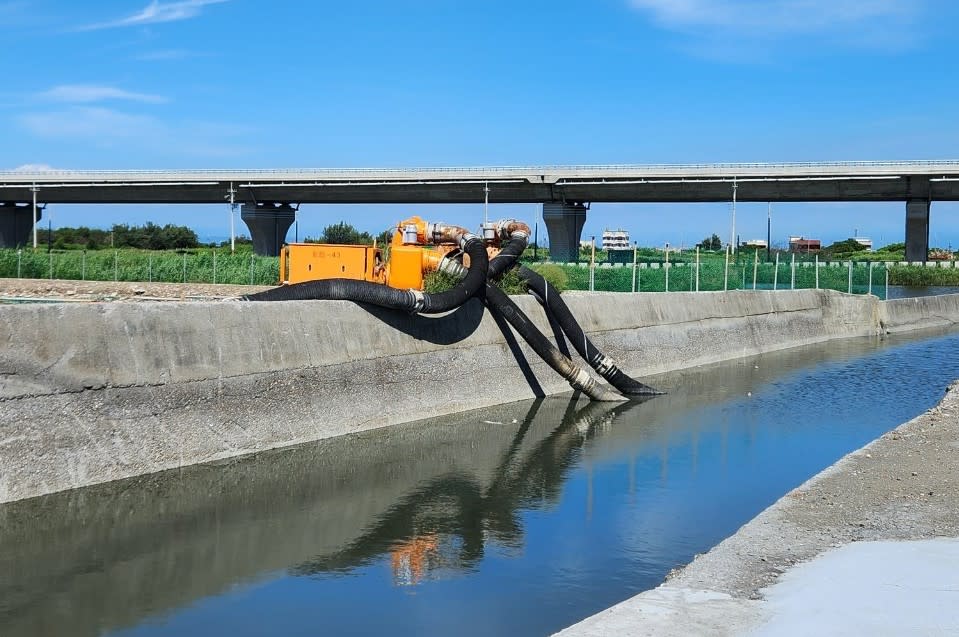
(417,247)
(312,261)
(301,262)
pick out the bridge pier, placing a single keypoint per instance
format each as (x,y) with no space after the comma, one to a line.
(564,224)
(16,224)
(268,224)
(917,229)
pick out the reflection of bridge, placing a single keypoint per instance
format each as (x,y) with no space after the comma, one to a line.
(267,196)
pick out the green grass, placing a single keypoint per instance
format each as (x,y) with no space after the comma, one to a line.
(713,276)
(193,266)
(244,268)
(916,275)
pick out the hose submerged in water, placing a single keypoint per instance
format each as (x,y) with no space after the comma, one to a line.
(518,234)
(606,367)
(500,304)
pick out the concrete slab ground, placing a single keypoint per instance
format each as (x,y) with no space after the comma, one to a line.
(869,588)
(867,547)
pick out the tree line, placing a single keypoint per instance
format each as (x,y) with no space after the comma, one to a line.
(149,236)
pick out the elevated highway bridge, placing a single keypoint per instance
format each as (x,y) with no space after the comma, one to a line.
(267,197)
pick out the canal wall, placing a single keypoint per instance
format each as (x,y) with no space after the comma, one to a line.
(91,393)
(900,315)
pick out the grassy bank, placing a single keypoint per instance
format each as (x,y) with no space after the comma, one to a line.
(202,265)
(923,276)
(217,265)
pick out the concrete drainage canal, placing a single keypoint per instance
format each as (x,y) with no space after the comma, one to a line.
(518,519)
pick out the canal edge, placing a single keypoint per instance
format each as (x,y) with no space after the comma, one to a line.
(896,488)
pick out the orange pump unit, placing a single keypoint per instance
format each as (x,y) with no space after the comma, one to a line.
(410,258)
(311,261)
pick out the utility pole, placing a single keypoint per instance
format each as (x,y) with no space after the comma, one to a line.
(232,213)
(769,229)
(34,190)
(732,232)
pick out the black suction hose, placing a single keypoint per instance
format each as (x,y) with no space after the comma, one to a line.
(384,296)
(467,288)
(506,259)
(604,365)
(499,303)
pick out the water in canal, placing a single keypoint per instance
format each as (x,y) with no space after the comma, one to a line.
(519,519)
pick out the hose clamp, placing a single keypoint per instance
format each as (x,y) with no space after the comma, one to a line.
(605,364)
(419,300)
(466,239)
(581,379)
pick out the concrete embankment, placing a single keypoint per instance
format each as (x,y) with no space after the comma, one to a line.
(102,391)
(866,547)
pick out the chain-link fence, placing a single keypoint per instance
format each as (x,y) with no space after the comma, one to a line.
(852,277)
(245,268)
(207,266)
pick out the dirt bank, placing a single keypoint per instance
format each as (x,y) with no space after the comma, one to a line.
(55,289)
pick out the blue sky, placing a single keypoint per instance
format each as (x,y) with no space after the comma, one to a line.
(252,84)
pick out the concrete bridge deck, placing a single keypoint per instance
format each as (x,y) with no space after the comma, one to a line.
(564,191)
(806,181)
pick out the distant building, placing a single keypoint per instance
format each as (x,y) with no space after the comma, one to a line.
(616,240)
(755,243)
(801,244)
(863,241)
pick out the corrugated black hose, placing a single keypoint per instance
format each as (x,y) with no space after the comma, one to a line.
(604,365)
(499,303)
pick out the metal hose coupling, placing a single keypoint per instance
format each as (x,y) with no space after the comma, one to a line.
(466,239)
(510,228)
(452,267)
(582,381)
(440,233)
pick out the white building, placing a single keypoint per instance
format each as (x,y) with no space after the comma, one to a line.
(616,240)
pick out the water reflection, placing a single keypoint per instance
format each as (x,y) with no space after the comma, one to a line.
(443,525)
(431,497)
(519,518)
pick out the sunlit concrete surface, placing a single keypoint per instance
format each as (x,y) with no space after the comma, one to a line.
(869,588)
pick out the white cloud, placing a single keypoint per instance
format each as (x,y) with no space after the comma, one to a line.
(90,93)
(157,12)
(90,123)
(166,54)
(110,128)
(777,16)
(741,27)
(34,168)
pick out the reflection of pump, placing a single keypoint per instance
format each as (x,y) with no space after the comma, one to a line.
(443,527)
(410,560)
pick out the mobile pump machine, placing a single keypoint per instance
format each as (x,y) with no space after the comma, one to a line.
(362,274)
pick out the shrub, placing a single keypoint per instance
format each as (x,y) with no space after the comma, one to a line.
(555,274)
